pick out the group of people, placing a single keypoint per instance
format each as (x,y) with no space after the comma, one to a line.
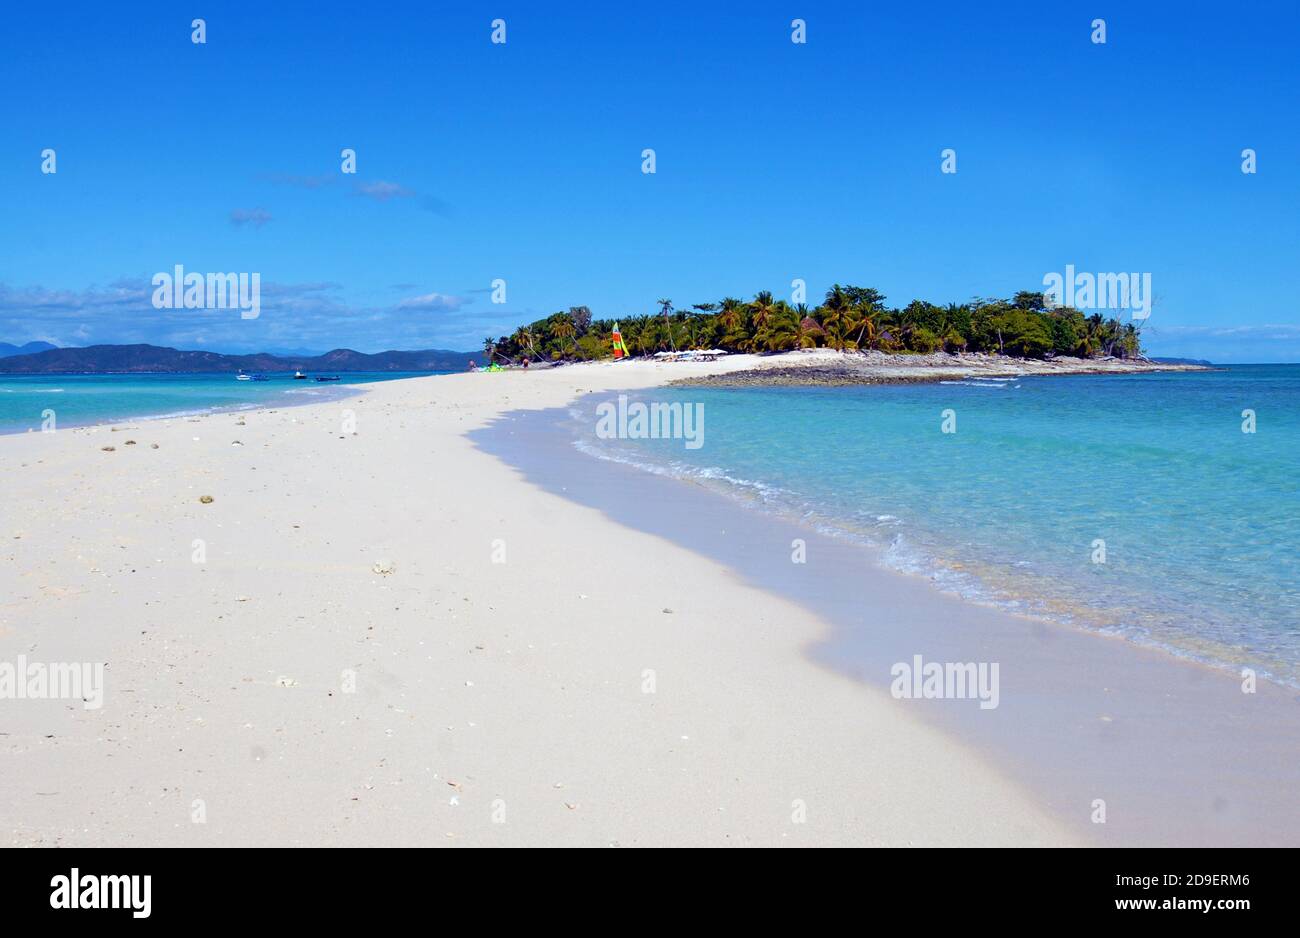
(493,366)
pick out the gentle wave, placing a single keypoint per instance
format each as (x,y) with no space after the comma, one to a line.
(902,556)
(982,566)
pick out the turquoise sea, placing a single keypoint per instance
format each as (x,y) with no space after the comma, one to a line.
(1200,520)
(81,400)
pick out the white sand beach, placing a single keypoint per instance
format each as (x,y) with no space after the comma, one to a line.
(491,702)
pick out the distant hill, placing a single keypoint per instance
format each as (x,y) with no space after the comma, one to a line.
(1181,361)
(7,350)
(139,359)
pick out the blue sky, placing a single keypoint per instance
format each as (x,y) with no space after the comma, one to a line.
(522,161)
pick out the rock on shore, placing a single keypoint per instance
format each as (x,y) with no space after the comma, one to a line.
(827,368)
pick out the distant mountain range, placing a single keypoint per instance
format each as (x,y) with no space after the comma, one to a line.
(1181,361)
(140,359)
(7,350)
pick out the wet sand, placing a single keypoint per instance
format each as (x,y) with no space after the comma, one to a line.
(1176,751)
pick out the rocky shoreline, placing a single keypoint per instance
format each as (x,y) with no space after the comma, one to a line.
(821,368)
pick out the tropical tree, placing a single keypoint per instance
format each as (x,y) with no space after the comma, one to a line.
(864,319)
(787,330)
(761,310)
(848,318)
(581,316)
(562,329)
(836,315)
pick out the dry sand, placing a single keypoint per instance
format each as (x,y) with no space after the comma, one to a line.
(495,702)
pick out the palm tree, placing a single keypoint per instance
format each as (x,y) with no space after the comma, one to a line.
(1093,335)
(695,329)
(789,330)
(865,308)
(778,336)
(666,307)
(836,313)
(649,337)
(528,340)
(850,317)
(563,328)
(762,309)
(865,319)
(729,313)
(731,319)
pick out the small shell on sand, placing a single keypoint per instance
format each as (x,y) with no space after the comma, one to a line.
(206,499)
(383,567)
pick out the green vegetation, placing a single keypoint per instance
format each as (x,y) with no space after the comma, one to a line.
(849,318)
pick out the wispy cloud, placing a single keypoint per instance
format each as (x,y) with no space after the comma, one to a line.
(382,190)
(433,301)
(302,182)
(377,190)
(1258,342)
(1279,331)
(314,314)
(257,217)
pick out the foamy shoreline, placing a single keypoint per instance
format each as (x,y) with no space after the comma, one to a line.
(1172,746)
(547,699)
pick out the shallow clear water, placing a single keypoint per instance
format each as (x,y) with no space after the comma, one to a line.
(80,400)
(1200,521)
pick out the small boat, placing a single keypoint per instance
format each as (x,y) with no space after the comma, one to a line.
(327,377)
(243,377)
(299,376)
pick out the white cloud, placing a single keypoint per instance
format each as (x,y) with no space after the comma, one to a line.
(433,301)
(381,190)
(312,315)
